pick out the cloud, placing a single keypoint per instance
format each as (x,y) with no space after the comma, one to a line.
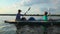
(32,2)
(55,3)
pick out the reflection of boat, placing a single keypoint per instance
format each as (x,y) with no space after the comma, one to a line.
(41,22)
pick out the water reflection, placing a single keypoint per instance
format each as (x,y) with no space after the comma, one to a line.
(38,30)
(30,30)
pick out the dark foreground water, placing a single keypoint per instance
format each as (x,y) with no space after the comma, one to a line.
(6,28)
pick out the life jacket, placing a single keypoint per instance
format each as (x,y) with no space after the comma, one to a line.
(45,17)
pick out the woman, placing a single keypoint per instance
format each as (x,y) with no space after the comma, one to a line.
(45,17)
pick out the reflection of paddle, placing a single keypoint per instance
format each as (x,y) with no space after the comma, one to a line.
(28,10)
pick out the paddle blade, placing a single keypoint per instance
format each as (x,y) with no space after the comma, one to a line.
(29,8)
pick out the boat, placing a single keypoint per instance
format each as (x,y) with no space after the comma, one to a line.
(35,22)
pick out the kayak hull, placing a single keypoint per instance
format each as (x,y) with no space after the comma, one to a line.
(34,22)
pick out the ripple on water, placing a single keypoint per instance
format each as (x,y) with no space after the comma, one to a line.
(6,28)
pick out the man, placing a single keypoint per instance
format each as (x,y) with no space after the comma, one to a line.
(18,16)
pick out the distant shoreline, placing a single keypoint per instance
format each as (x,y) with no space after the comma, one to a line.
(28,15)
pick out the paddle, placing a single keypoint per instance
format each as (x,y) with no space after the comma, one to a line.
(28,10)
(23,18)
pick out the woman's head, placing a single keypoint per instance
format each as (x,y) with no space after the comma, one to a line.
(45,13)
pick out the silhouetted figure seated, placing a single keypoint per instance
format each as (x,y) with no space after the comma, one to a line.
(23,19)
(31,19)
(18,16)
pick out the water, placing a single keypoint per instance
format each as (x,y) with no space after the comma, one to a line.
(6,28)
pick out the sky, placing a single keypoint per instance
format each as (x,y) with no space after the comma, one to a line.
(37,6)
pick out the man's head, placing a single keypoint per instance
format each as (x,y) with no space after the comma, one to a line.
(19,11)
